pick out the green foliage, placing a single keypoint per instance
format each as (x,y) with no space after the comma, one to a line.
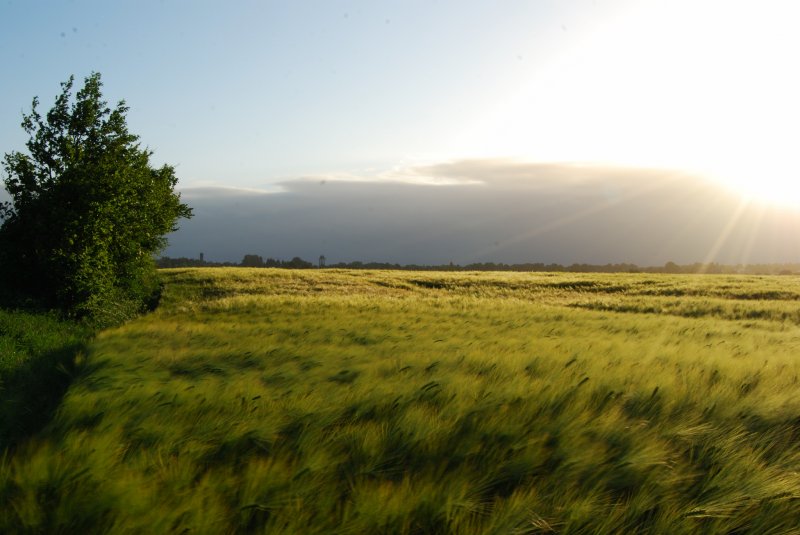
(329,401)
(252,260)
(87,210)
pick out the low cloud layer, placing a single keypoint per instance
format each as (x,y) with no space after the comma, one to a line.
(490,210)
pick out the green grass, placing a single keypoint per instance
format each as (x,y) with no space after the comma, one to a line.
(37,362)
(329,401)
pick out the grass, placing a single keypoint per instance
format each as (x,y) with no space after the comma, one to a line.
(281,401)
(37,362)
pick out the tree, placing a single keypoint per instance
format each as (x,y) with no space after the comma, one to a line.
(252,260)
(87,210)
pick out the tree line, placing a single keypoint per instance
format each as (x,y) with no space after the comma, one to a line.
(251,260)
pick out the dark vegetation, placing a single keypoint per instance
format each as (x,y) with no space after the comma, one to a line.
(87,212)
(39,356)
(251,260)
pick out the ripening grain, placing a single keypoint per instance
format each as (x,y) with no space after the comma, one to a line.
(329,401)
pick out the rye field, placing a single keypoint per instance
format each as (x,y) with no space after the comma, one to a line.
(350,402)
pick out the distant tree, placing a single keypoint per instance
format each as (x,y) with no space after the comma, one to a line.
(88,210)
(252,260)
(298,263)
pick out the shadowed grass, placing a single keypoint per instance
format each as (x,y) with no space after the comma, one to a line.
(37,362)
(399,402)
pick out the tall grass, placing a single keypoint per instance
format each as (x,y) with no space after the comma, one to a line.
(37,361)
(332,401)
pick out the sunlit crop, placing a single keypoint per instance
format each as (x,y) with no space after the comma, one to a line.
(324,401)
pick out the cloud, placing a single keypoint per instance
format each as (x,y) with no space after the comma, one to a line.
(420,176)
(492,210)
(521,174)
(510,173)
(215,192)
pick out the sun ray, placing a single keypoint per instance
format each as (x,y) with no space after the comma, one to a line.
(726,232)
(759,210)
(573,217)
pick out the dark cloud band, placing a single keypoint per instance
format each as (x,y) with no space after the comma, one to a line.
(492,210)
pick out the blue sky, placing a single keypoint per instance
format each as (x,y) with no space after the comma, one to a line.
(268,96)
(247,92)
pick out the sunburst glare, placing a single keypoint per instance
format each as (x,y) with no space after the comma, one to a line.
(703,86)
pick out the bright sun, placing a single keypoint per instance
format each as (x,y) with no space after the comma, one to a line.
(706,86)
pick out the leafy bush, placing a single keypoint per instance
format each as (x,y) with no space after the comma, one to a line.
(87,210)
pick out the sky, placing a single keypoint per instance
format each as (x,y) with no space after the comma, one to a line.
(410,131)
